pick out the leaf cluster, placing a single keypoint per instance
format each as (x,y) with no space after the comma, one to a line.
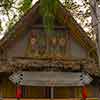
(47,10)
(11,11)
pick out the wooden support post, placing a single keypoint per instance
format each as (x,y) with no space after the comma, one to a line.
(52,93)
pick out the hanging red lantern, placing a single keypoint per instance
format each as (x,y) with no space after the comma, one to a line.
(84,92)
(18,91)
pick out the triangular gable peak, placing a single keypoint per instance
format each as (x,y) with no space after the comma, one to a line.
(67,44)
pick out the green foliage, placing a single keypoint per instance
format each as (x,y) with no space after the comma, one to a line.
(26,4)
(0,26)
(81,11)
(7,4)
(71,5)
(11,11)
(47,9)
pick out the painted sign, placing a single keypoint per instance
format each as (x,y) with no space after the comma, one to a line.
(50,78)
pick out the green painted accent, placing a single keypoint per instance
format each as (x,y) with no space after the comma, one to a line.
(47,9)
(26,4)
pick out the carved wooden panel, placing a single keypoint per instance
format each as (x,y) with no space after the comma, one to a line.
(42,44)
(57,44)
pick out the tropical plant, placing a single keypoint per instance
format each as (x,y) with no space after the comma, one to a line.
(11,11)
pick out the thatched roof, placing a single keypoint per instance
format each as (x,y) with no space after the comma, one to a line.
(65,18)
(62,15)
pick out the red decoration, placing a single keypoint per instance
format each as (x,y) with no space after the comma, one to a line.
(33,41)
(51,82)
(65,18)
(33,34)
(18,91)
(84,92)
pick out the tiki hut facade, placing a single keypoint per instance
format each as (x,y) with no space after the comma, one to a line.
(29,48)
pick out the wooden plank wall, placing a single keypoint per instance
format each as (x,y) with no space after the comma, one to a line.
(8,89)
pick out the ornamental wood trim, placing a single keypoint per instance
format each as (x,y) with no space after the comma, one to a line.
(21,63)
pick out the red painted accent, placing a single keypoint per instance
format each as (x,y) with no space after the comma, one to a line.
(18,91)
(84,92)
(65,18)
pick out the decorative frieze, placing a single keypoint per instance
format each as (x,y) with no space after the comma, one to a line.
(48,64)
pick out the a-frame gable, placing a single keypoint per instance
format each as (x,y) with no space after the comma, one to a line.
(68,41)
(62,15)
(37,43)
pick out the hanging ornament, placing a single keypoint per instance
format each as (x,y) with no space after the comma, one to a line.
(18,91)
(84,92)
(33,41)
(54,41)
(65,18)
(62,41)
